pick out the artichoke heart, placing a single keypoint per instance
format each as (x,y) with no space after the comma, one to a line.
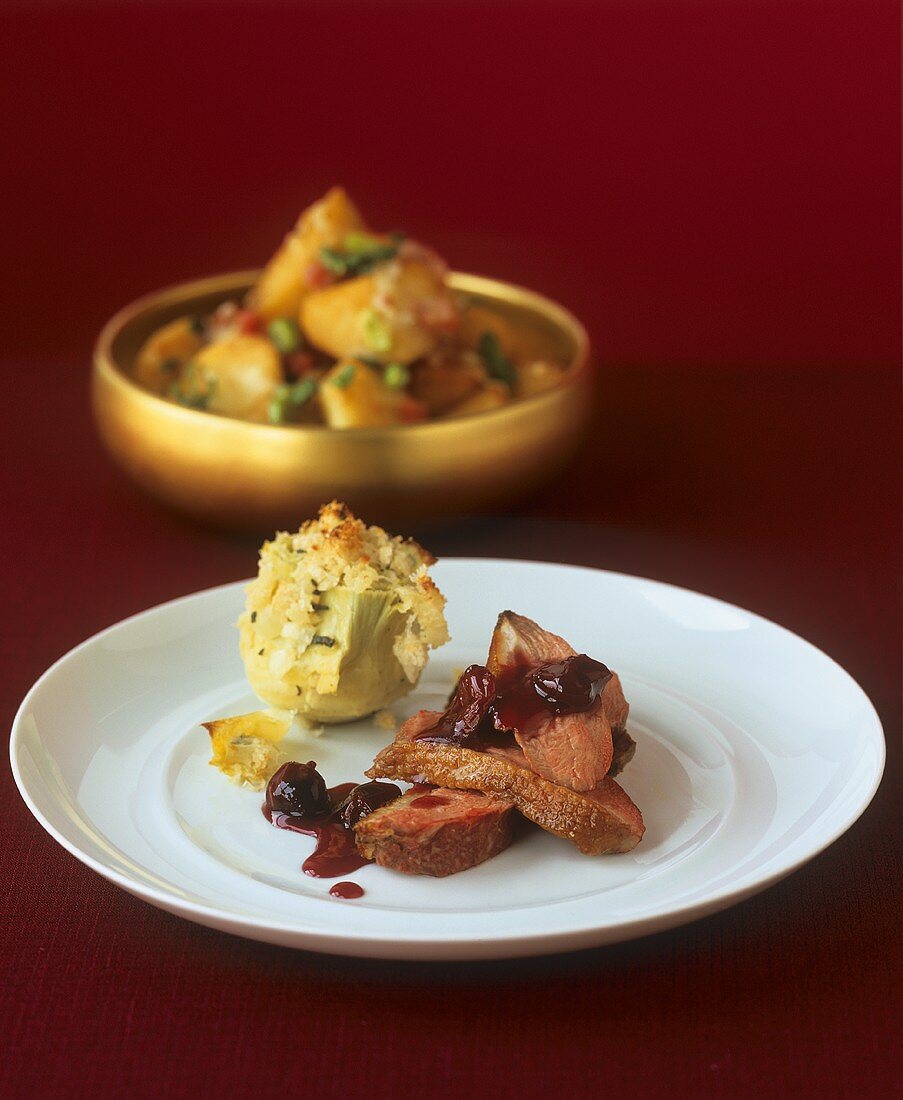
(340,619)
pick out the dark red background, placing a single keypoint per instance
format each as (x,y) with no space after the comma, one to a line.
(714,188)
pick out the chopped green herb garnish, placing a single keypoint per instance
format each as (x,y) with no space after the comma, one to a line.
(253,616)
(377,332)
(355,241)
(260,652)
(187,392)
(321,607)
(344,378)
(321,639)
(334,261)
(192,397)
(170,366)
(285,334)
(196,324)
(297,689)
(497,363)
(396,376)
(359,254)
(190,400)
(289,400)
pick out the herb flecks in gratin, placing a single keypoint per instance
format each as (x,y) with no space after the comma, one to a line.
(340,619)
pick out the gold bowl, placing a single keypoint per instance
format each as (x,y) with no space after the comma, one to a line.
(259,477)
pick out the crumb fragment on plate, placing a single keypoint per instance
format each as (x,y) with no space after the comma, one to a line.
(246,747)
(385,720)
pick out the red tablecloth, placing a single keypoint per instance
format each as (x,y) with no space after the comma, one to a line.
(714,188)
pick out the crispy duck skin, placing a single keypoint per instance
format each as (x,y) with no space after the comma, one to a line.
(574,750)
(598,821)
(436,832)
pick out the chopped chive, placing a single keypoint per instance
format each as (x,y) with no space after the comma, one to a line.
(396,376)
(344,377)
(360,242)
(278,405)
(497,363)
(253,616)
(321,639)
(192,398)
(334,261)
(196,324)
(289,400)
(377,332)
(360,253)
(285,334)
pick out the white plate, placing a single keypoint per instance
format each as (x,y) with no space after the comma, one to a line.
(754,752)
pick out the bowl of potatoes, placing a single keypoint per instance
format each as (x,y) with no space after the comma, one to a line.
(355,366)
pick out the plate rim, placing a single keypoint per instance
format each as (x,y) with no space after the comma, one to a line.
(458,947)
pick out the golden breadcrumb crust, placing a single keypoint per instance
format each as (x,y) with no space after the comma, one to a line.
(284,622)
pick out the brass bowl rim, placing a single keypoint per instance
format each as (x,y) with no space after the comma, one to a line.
(112,372)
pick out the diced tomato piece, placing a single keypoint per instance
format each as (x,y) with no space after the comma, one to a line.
(317,276)
(438,314)
(411,410)
(246,322)
(298,364)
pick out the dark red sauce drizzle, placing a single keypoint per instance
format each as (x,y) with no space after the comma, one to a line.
(347,890)
(298,800)
(484,709)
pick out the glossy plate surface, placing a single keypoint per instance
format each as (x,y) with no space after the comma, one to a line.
(754,752)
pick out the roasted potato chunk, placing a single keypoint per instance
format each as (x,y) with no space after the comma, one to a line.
(475,320)
(234,377)
(445,380)
(353,395)
(163,354)
(536,376)
(286,278)
(390,314)
(492,396)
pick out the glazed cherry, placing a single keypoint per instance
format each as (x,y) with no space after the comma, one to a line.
(364,799)
(460,724)
(572,685)
(297,799)
(298,789)
(482,711)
